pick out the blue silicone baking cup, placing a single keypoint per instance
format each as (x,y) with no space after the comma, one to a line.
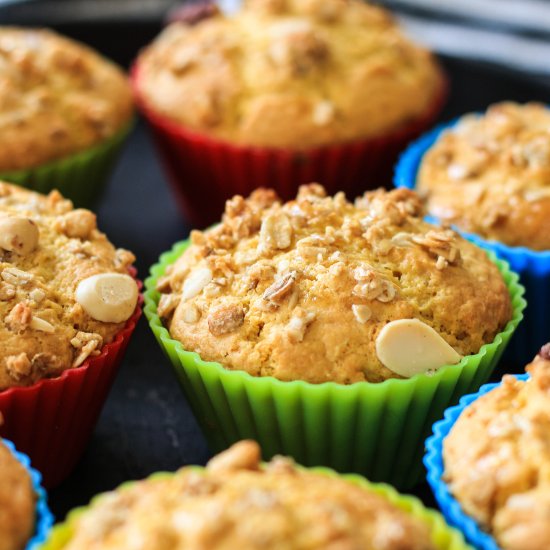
(433,460)
(44,518)
(532,266)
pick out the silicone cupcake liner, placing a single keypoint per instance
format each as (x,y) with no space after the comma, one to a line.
(44,518)
(80,177)
(533,267)
(443,536)
(53,420)
(374,429)
(434,464)
(205,172)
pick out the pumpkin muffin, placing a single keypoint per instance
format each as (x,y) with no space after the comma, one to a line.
(64,289)
(237,502)
(497,459)
(290,73)
(57,97)
(17,502)
(320,289)
(490,174)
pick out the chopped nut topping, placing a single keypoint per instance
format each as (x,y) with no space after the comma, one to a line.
(280,289)
(16,276)
(18,366)
(37,295)
(298,324)
(195,282)
(7,292)
(372,286)
(440,244)
(244,455)
(46,362)
(77,224)
(19,318)
(41,325)
(296,47)
(190,313)
(361,312)
(225,319)
(275,232)
(323,113)
(88,343)
(18,235)
(167,305)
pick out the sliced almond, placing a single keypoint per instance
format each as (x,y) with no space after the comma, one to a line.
(409,346)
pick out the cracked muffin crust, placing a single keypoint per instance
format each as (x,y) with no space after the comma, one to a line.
(57,97)
(236,502)
(301,290)
(47,249)
(17,502)
(290,73)
(490,174)
(497,459)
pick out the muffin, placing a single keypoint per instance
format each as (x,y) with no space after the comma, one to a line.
(66,297)
(319,294)
(17,502)
(65,113)
(238,502)
(489,175)
(283,93)
(494,459)
(25,520)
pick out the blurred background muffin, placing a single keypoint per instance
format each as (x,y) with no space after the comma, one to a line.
(67,301)
(64,113)
(284,92)
(489,175)
(236,501)
(488,461)
(24,516)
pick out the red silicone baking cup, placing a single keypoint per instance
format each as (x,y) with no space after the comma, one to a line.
(52,420)
(205,172)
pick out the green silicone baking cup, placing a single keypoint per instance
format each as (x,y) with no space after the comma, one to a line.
(377,430)
(443,536)
(80,177)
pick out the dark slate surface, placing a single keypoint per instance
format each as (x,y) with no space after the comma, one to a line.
(146,424)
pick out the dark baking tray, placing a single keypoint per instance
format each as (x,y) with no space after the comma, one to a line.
(146,425)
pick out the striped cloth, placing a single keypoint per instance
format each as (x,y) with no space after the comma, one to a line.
(511,33)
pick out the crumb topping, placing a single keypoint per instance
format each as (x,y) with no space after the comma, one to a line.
(300,290)
(490,174)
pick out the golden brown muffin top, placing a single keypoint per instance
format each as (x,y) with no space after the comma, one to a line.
(17,502)
(497,459)
(303,290)
(57,97)
(238,503)
(49,319)
(290,73)
(490,174)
